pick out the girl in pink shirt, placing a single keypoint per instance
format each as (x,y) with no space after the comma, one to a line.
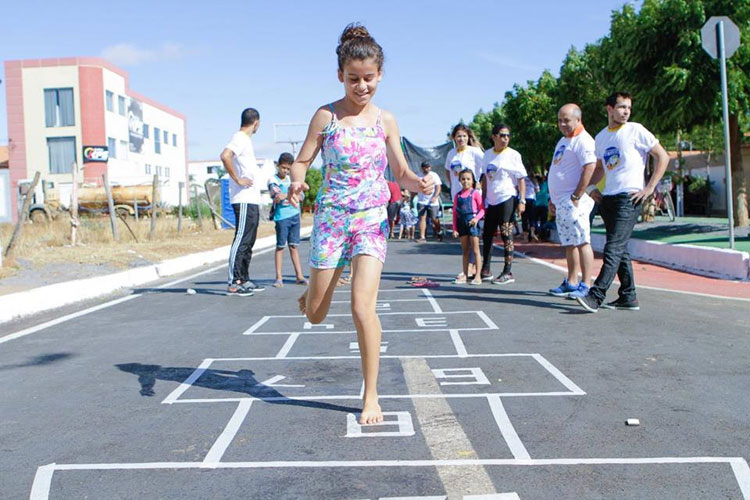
(468,210)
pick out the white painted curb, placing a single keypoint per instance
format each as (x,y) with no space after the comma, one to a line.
(17,305)
(715,262)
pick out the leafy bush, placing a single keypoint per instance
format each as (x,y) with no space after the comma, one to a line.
(314,179)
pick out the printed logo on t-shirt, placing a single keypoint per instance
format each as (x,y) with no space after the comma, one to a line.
(491,170)
(611,158)
(558,154)
(457,166)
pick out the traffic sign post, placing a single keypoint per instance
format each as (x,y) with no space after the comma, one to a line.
(721,38)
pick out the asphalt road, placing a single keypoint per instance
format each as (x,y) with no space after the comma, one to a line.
(493,392)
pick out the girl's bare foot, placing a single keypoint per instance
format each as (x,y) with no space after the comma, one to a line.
(371,413)
(303,302)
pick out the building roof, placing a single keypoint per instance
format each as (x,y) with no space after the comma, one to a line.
(3,156)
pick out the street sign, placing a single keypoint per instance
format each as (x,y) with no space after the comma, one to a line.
(731,36)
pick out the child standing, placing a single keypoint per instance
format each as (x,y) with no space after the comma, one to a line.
(357,140)
(407,216)
(286,218)
(468,210)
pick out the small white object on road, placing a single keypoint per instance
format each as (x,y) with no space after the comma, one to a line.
(190,291)
(633,422)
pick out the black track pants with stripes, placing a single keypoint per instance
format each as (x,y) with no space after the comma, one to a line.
(245,231)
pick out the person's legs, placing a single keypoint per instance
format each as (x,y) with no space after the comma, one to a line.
(366,271)
(316,301)
(436,222)
(586,259)
(241,251)
(573,259)
(294,255)
(619,214)
(278,257)
(422,213)
(491,220)
(506,232)
(465,255)
(474,248)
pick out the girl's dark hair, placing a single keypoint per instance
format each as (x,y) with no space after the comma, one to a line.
(497,128)
(356,43)
(473,141)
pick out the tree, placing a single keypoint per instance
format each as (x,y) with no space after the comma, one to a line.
(582,82)
(314,179)
(482,124)
(531,113)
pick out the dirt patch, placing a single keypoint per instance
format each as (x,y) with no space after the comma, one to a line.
(45,256)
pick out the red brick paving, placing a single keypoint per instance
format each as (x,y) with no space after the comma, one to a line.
(646,274)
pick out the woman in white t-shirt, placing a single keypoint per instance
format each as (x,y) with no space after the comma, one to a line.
(466,155)
(503,178)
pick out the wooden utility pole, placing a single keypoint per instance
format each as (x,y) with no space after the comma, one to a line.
(179,208)
(111,205)
(22,217)
(74,207)
(198,206)
(154,204)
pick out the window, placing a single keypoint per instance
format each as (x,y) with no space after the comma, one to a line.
(121,105)
(166,171)
(62,154)
(110,100)
(145,131)
(158,170)
(166,137)
(112,147)
(148,169)
(174,140)
(58,108)
(157,140)
(122,151)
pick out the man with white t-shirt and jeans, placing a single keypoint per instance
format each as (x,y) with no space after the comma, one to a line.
(621,150)
(428,205)
(239,161)
(569,174)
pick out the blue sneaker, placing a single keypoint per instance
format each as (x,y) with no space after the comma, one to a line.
(582,291)
(563,290)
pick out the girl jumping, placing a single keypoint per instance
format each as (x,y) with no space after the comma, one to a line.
(468,210)
(350,224)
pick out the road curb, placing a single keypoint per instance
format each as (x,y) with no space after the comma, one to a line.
(20,304)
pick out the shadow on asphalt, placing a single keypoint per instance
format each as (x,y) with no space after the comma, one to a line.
(241,381)
(41,360)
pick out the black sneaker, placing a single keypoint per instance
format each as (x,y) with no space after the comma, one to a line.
(251,285)
(239,290)
(622,305)
(589,303)
(504,279)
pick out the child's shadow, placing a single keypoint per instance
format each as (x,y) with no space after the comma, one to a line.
(241,381)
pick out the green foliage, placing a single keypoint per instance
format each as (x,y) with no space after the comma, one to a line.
(314,179)
(191,210)
(482,124)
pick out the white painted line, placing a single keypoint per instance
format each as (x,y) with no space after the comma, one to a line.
(400,463)
(340,332)
(742,473)
(394,313)
(506,428)
(443,433)
(393,356)
(490,324)
(385,290)
(389,300)
(227,436)
(358,397)
(474,375)
(403,422)
(272,382)
(574,389)
(659,289)
(287,345)
(435,306)
(42,484)
(172,397)
(260,323)
(458,343)
(494,496)
(67,317)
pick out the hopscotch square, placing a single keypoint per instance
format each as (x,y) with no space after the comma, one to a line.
(398,300)
(393,322)
(414,343)
(398,423)
(274,379)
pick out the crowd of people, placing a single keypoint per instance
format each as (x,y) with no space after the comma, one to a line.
(356,209)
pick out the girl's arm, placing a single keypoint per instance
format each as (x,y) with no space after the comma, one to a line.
(401,171)
(478,206)
(307,155)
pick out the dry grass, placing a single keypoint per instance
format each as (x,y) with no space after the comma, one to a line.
(49,243)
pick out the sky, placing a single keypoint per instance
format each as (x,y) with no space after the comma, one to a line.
(444,60)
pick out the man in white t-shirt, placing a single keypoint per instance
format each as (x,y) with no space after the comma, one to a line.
(428,205)
(569,174)
(239,161)
(622,149)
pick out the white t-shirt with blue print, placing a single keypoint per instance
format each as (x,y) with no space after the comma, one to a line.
(284,209)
